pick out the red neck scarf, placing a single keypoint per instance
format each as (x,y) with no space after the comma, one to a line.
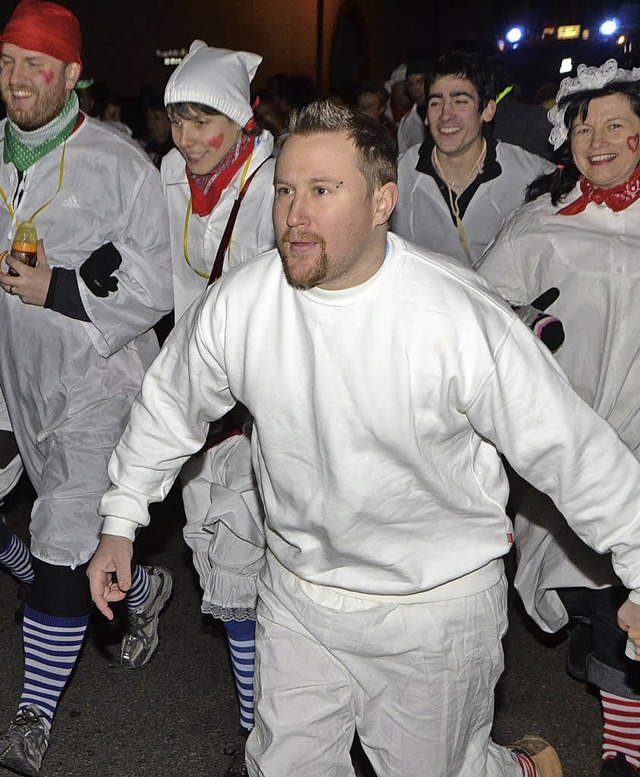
(617,198)
(207,189)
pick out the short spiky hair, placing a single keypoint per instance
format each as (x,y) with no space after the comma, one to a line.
(474,69)
(376,150)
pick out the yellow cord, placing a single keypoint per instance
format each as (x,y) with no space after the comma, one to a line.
(453,197)
(185,235)
(60,180)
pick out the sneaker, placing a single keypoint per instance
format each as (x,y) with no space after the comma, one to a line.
(541,753)
(140,642)
(23,747)
(617,767)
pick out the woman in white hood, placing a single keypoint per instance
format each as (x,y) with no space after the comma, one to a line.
(219,187)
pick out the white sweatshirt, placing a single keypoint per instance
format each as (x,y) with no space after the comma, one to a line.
(379,411)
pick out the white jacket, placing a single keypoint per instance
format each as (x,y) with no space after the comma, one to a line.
(66,380)
(252,234)
(379,412)
(592,258)
(423,217)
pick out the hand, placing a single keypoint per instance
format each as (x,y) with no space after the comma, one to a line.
(629,621)
(112,557)
(30,284)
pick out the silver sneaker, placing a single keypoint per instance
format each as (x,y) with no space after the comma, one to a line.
(140,642)
(24,746)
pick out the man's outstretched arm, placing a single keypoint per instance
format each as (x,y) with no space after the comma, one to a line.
(184,389)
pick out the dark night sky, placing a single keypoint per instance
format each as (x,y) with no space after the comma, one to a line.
(121,36)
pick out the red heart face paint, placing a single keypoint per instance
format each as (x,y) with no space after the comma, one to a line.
(47,75)
(217,141)
(632,142)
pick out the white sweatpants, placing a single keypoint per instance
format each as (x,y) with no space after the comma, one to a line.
(416,681)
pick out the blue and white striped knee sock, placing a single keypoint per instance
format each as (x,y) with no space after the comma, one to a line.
(51,648)
(242,646)
(140,588)
(15,556)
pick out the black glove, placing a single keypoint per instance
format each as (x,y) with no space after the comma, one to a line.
(97,271)
(8,448)
(545,326)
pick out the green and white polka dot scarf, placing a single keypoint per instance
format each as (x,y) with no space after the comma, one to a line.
(24,148)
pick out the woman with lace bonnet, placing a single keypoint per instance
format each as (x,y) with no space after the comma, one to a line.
(580,232)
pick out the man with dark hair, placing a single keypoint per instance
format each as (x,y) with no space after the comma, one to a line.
(460,183)
(74,343)
(383,381)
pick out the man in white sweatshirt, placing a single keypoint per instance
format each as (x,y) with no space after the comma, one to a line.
(384,381)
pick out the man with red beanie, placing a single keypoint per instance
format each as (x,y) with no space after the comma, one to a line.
(74,343)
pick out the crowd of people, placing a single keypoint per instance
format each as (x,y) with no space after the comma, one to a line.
(380,309)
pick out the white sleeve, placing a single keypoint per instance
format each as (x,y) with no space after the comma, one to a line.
(562,447)
(145,291)
(184,389)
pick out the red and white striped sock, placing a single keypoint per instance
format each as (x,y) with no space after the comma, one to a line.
(525,762)
(621,727)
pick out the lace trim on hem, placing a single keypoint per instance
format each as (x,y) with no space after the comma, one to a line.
(226,614)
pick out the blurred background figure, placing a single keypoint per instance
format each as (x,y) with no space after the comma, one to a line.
(109,109)
(291,92)
(371,99)
(412,129)
(398,100)
(545,96)
(268,113)
(158,141)
(519,123)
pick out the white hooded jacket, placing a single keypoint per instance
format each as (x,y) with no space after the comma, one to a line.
(592,258)
(252,234)
(68,384)
(423,217)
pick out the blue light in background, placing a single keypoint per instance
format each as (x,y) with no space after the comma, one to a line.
(608,27)
(514,35)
